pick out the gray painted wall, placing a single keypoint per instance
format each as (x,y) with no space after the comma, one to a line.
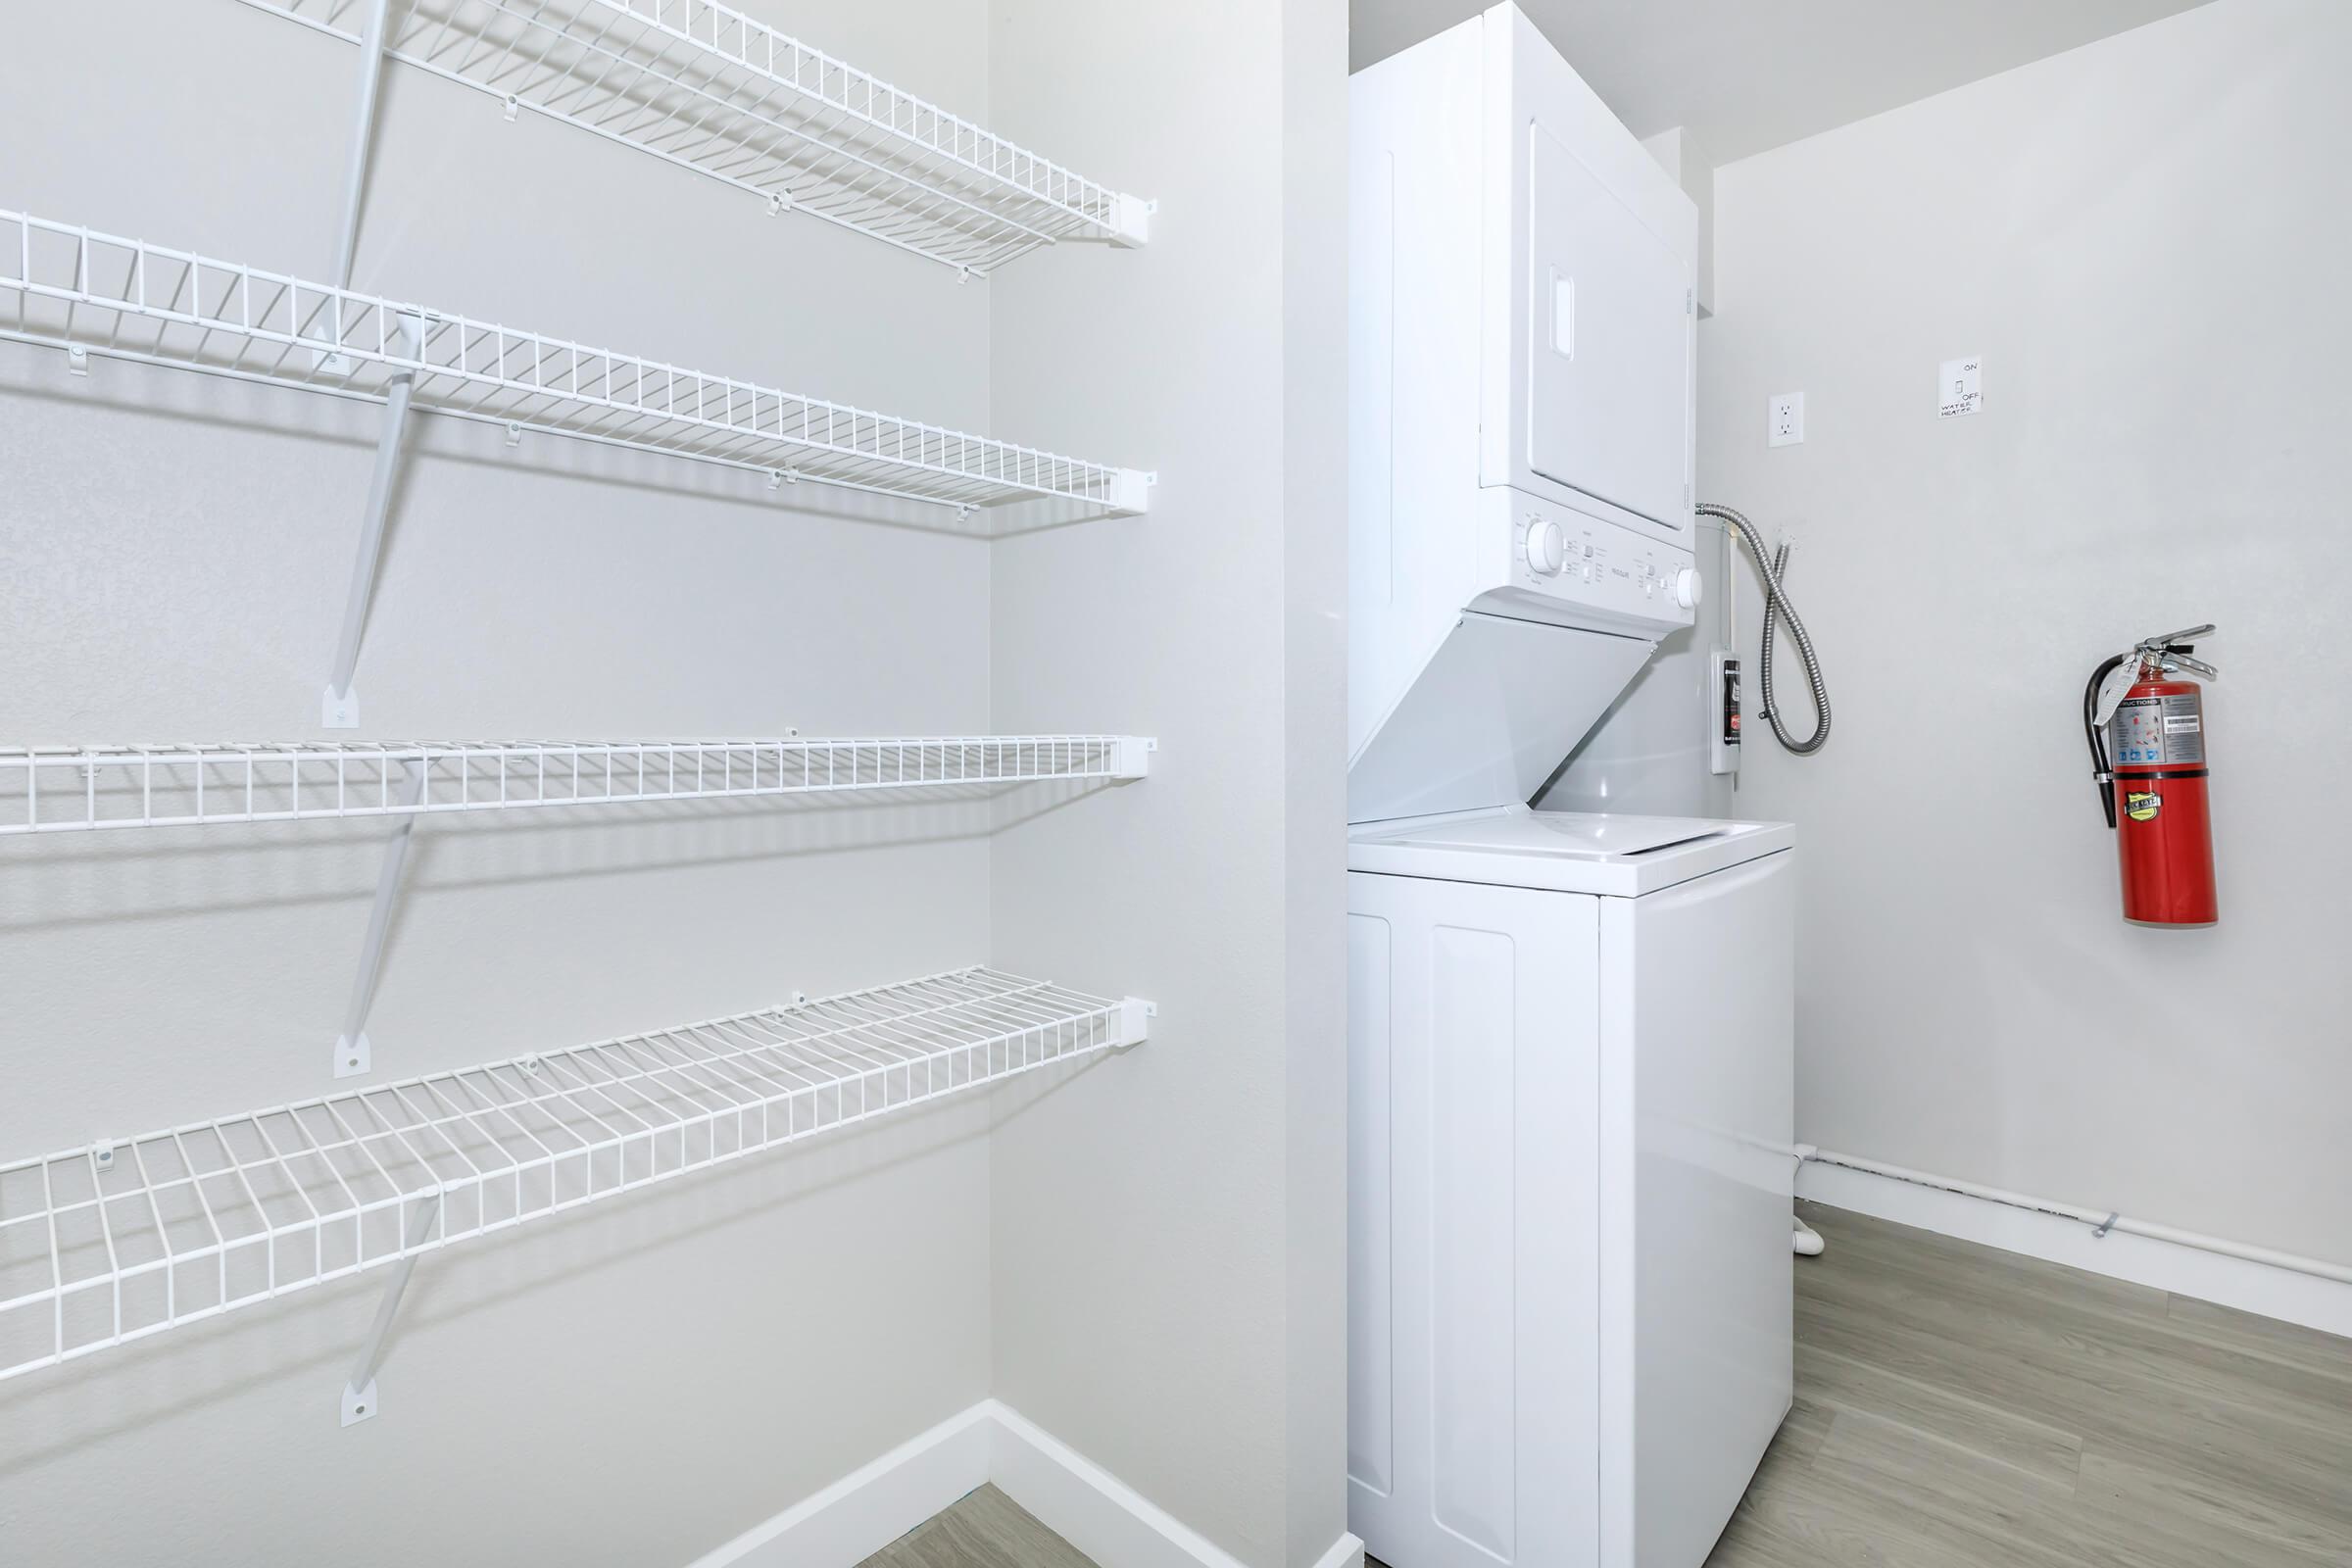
(1168,1286)
(2141,238)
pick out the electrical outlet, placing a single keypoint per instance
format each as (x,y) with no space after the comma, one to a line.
(1784,419)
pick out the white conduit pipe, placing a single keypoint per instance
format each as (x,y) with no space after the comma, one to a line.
(2339,1272)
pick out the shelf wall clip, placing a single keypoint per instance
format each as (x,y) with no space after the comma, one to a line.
(1134,760)
(1130,221)
(1135,1021)
(78,360)
(353,1054)
(1131,491)
(339,708)
(359,1393)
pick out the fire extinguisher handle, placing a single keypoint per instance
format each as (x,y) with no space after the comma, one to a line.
(2180,641)
(2178,659)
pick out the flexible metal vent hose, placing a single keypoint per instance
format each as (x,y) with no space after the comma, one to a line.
(1777,608)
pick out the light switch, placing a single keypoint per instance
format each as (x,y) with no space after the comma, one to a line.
(1960,387)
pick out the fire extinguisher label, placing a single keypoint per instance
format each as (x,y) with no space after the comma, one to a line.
(2158,732)
(2142,807)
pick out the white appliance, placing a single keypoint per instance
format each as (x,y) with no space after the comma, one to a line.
(1570,1074)
(1520,377)
(1569,1112)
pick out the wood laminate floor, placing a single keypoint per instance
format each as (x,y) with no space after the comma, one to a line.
(985,1529)
(1963,1407)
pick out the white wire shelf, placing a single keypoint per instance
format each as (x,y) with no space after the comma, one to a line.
(88,293)
(103,1245)
(75,790)
(707,88)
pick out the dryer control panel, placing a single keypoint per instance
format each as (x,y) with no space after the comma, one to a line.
(1570,568)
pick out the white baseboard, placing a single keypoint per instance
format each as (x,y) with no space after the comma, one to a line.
(1069,1494)
(1345,1552)
(2272,1291)
(1102,1515)
(872,1506)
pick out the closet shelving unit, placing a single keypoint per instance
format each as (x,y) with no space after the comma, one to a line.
(116,1240)
(107,1243)
(67,789)
(93,789)
(709,89)
(91,293)
(88,292)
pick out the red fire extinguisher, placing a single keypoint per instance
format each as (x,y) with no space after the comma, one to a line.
(2146,726)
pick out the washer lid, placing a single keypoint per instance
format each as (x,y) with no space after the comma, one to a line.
(1570,851)
(1576,832)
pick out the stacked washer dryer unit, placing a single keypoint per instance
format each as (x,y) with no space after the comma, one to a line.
(1569,1034)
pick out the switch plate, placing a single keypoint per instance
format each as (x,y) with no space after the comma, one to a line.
(1960,387)
(1784,419)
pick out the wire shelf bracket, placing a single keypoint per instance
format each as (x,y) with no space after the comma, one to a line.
(213,1216)
(339,707)
(359,1393)
(363,136)
(354,1053)
(707,88)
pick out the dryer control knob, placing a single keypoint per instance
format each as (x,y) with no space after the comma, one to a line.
(1546,547)
(1689,588)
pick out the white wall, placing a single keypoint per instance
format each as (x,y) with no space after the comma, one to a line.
(640,1382)
(2144,239)
(1168,1228)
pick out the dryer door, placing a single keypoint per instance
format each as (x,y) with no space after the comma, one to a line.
(1609,357)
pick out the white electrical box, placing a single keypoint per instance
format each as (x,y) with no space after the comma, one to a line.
(1724,713)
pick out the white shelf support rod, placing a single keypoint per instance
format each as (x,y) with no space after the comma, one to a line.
(362,137)
(353,1054)
(340,709)
(359,1395)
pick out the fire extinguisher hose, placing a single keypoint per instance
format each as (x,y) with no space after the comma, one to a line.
(1777,608)
(2102,771)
